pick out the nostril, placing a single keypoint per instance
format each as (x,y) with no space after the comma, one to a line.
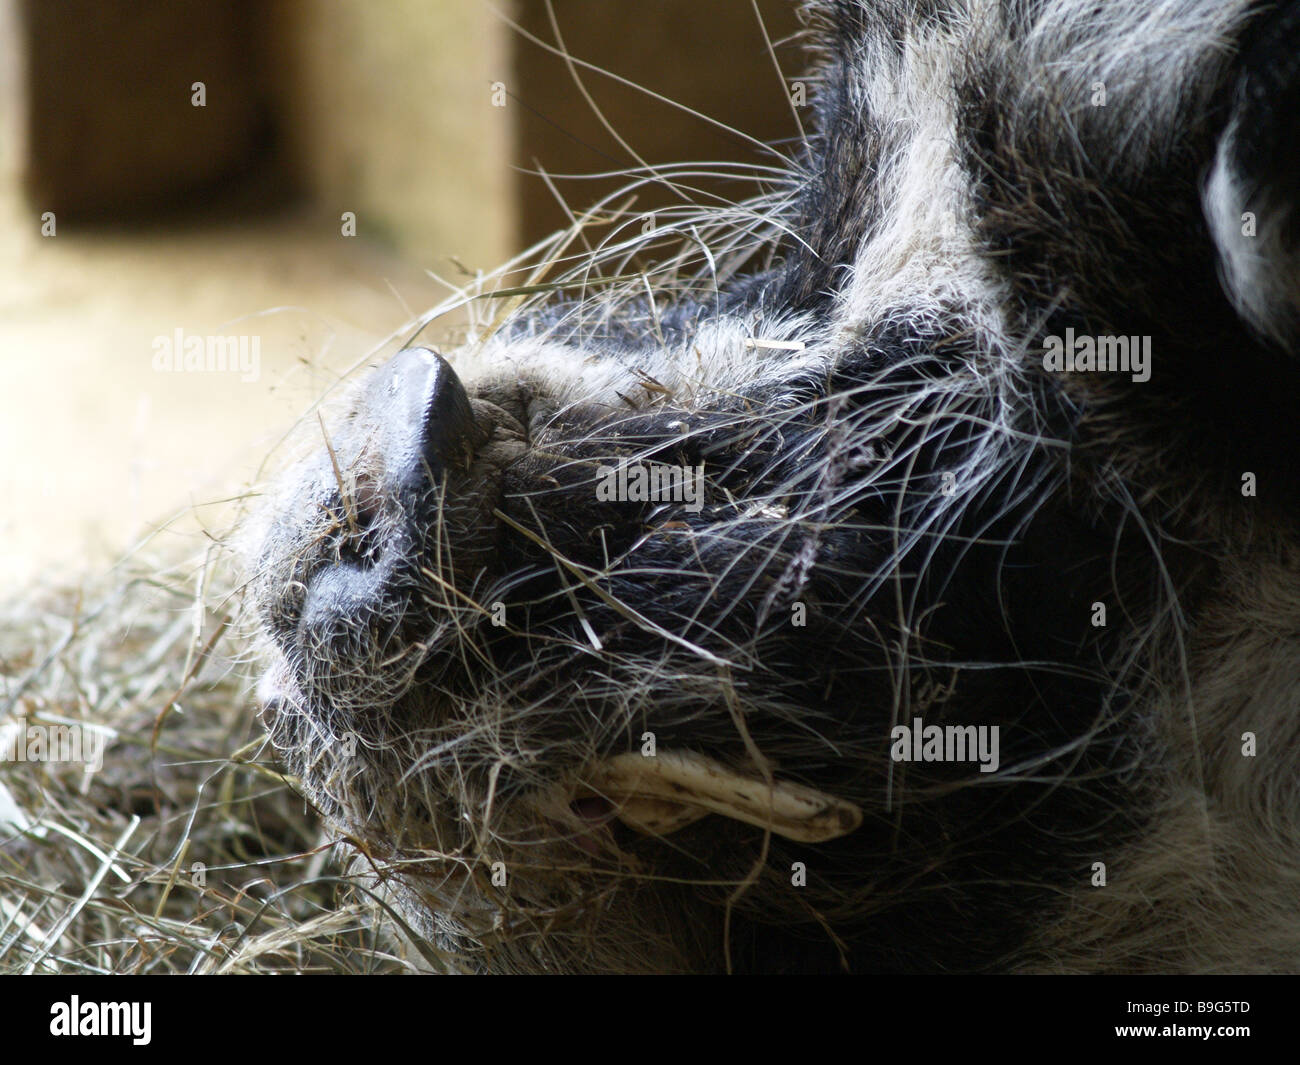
(416,412)
(362,539)
(367,498)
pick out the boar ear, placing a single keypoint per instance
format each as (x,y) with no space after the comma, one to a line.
(1252,194)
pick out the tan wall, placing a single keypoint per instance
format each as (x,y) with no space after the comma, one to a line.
(388,114)
(708,55)
(386,109)
(13,96)
(112,131)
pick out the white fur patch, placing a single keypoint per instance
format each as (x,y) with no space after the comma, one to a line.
(719,358)
(1260,275)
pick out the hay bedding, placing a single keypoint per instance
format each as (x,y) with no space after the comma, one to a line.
(188,851)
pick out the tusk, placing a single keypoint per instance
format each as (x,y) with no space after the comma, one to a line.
(664,793)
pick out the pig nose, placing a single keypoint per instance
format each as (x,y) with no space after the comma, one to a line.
(416,414)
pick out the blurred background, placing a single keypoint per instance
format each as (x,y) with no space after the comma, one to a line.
(286,177)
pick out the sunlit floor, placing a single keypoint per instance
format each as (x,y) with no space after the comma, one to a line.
(98,447)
